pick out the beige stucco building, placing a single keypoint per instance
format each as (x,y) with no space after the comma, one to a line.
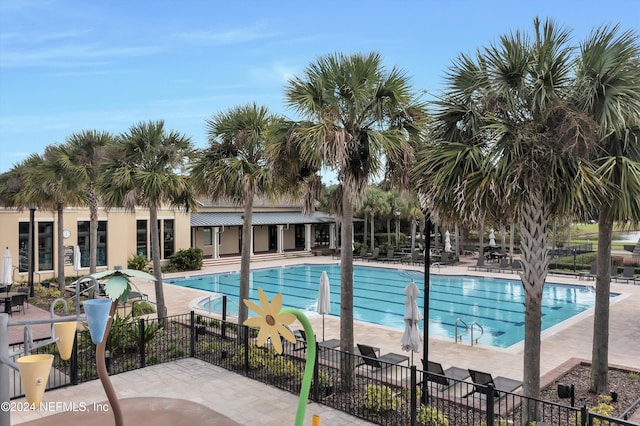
(215,228)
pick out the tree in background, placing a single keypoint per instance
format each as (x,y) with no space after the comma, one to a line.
(82,155)
(608,91)
(356,116)
(234,167)
(142,170)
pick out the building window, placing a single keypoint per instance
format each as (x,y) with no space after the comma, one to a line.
(208,239)
(23,246)
(45,246)
(141,238)
(169,240)
(84,241)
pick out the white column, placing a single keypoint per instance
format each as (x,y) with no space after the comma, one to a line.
(332,235)
(216,245)
(251,240)
(280,238)
(307,237)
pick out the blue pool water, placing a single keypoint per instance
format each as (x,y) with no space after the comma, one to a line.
(496,304)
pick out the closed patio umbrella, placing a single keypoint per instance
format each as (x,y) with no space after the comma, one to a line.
(324,298)
(411,338)
(77,260)
(7,273)
(447,241)
(492,238)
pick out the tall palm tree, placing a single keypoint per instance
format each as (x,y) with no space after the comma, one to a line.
(607,89)
(141,170)
(58,188)
(82,154)
(234,167)
(356,113)
(506,134)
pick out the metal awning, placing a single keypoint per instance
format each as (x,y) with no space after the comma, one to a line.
(258,218)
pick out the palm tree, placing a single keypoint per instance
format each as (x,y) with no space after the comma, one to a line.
(141,171)
(376,201)
(357,114)
(59,188)
(234,167)
(83,154)
(607,80)
(506,134)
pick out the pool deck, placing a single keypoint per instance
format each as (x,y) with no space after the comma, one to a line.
(571,339)
(560,344)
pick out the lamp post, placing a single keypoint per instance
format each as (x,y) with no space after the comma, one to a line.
(397,229)
(425,315)
(32,248)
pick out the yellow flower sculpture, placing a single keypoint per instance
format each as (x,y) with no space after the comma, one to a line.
(271,321)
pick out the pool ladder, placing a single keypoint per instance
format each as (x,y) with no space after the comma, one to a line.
(474,326)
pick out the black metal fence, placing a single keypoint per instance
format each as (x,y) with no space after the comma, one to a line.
(389,395)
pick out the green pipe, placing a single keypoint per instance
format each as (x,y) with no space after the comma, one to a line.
(309,365)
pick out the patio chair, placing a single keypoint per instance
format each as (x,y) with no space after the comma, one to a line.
(504,264)
(17,302)
(25,291)
(628,274)
(301,340)
(501,385)
(444,378)
(413,258)
(591,273)
(371,359)
(391,257)
(374,255)
(479,264)
(362,255)
(516,266)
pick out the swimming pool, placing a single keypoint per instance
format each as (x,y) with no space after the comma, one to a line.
(496,304)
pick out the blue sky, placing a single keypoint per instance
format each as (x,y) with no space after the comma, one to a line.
(68,66)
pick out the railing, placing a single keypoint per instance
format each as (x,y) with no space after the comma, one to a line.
(391,395)
(475,325)
(459,336)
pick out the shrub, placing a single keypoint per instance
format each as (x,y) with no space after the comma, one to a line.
(141,308)
(280,367)
(125,333)
(256,357)
(603,408)
(380,399)
(431,417)
(139,262)
(185,260)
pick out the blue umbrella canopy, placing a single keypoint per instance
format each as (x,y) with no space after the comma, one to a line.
(118,283)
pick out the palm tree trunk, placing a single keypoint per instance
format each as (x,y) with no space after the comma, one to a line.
(60,232)
(245,258)
(599,382)
(157,269)
(534,233)
(93,230)
(346,293)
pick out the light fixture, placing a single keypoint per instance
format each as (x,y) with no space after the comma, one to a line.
(567,391)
